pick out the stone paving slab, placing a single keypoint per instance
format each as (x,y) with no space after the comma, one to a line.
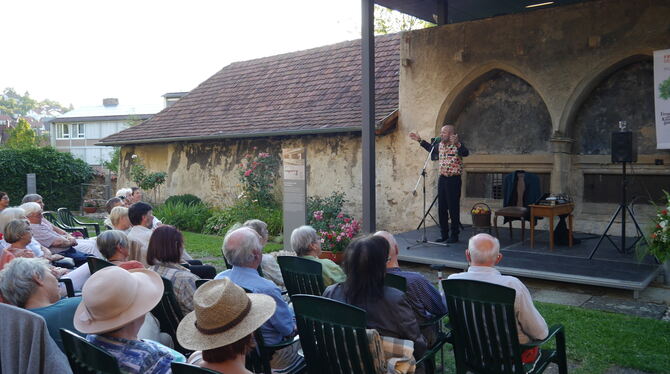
(560,297)
(636,308)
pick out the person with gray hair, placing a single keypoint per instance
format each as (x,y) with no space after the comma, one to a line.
(424,298)
(63,244)
(28,283)
(269,264)
(13,213)
(307,244)
(115,246)
(33,198)
(242,249)
(483,254)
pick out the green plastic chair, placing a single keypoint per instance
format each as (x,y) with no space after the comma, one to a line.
(69,286)
(95,264)
(86,358)
(53,218)
(200,282)
(301,276)
(169,314)
(332,336)
(179,368)
(396,281)
(482,316)
(69,219)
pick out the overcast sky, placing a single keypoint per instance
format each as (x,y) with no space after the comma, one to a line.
(79,51)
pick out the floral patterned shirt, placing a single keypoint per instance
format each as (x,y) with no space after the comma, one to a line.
(451,163)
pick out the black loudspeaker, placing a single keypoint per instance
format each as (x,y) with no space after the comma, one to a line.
(623,147)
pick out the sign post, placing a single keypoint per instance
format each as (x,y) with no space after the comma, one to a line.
(295,192)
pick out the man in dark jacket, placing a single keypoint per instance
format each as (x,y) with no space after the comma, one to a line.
(449,151)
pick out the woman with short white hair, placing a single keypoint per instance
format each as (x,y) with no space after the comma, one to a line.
(17,234)
(125,195)
(307,244)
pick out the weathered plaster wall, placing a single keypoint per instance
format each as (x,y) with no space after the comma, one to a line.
(563,53)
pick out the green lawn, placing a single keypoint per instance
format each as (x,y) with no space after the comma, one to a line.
(595,340)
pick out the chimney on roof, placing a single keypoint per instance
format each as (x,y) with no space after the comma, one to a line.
(111,101)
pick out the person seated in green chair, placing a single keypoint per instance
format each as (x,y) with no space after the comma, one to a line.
(307,244)
(114,305)
(29,283)
(387,309)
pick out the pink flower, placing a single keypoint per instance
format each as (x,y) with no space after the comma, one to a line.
(247,173)
(340,215)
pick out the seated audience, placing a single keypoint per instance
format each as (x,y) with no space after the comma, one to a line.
(109,205)
(113,308)
(424,298)
(118,219)
(4,200)
(165,251)
(135,194)
(142,218)
(29,283)
(269,264)
(243,251)
(64,244)
(307,244)
(10,214)
(114,247)
(124,194)
(17,235)
(221,327)
(388,311)
(483,254)
(33,198)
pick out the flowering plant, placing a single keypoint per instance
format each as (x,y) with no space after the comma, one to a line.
(335,228)
(659,239)
(258,174)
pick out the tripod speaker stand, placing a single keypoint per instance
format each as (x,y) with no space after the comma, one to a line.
(622,151)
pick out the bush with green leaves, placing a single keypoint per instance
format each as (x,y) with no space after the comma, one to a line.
(187,217)
(187,199)
(59,175)
(243,210)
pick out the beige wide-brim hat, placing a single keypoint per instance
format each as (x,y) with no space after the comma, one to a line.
(113,297)
(223,314)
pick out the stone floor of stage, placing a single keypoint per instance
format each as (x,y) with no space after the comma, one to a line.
(608,268)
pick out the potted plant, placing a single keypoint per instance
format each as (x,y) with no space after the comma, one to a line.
(659,237)
(90,206)
(335,228)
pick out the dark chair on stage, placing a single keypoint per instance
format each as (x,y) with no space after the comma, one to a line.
(519,190)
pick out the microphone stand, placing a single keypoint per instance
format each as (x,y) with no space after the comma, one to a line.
(422,176)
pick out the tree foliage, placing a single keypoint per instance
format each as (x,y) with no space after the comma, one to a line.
(59,175)
(14,104)
(22,136)
(388,21)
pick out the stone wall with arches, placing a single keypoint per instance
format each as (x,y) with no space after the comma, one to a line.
(540,91)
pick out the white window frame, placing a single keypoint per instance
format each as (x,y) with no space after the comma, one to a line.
(80,131)
(63,131)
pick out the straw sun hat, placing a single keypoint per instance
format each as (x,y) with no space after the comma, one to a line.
(223,314)
(114,297)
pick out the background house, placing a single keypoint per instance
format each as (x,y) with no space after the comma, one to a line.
(78,130)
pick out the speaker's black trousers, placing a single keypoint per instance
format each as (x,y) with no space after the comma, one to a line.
(449,199)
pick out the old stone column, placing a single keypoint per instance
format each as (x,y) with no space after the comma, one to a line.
(561,147)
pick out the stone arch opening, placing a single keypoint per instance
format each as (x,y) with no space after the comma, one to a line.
(625,92)
(501,113)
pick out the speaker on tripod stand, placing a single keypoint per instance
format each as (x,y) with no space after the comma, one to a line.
(624,150)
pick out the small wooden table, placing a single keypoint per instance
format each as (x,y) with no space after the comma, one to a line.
(550,211)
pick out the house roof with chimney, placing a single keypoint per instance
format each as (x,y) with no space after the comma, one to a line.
(306,92)
(110,110)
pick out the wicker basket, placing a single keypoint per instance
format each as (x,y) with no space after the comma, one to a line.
(482,220)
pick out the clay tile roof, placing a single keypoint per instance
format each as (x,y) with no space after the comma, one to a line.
(308,91)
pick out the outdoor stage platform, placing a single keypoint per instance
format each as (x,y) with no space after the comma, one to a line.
(608,268)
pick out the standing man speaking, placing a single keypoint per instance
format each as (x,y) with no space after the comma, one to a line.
(449,150)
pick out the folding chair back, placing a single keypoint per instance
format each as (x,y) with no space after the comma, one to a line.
(332,335)
(69,219)
(169,314)
(86,358)
(179,368)
(395,281)
(53,218)
(95,264)
(301,276)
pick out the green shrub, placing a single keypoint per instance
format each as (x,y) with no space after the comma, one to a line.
(59,175)
(221,221)
(187,199)
(187,217)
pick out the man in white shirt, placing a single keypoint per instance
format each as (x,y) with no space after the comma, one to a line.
(483,255)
